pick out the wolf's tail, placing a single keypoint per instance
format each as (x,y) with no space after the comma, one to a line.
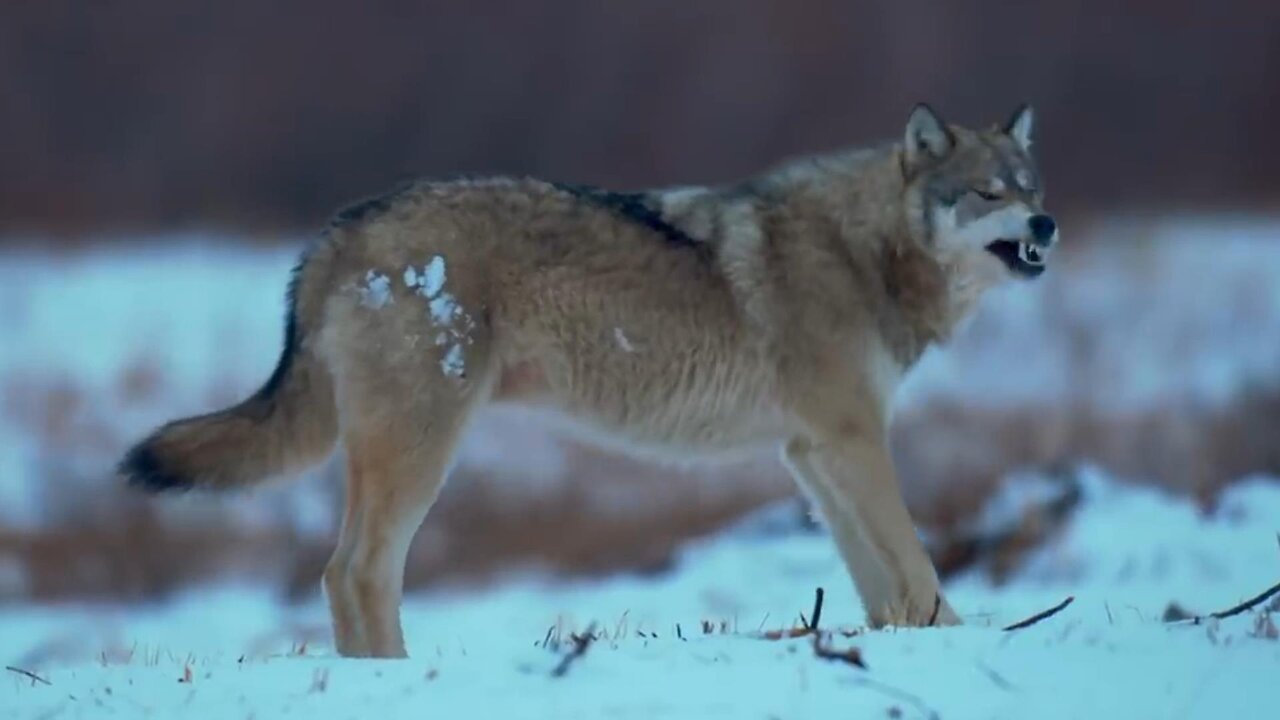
(289,424)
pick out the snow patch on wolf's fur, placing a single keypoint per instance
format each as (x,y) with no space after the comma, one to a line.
(453,363)
(444,308)
(376,290)
(446,314)
(623,341)
(429,281)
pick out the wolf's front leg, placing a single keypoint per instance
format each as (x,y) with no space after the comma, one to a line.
(851,478)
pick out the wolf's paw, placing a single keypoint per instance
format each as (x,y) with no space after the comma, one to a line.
(914,612)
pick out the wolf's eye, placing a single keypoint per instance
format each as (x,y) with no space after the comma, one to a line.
(985,195)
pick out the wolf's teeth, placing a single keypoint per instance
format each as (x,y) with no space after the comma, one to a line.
(1030,254)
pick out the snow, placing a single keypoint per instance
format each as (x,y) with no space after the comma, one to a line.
(376,291)
(1127,553)
(445,313)
(443,309)
(434,275)
(430,281)
(430,284)
(623,341)
(453,364)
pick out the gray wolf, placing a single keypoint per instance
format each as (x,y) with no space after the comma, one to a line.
(679,322)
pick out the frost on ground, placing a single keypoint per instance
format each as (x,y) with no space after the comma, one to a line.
(688,644)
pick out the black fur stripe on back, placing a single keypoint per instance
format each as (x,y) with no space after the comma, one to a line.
(635,207)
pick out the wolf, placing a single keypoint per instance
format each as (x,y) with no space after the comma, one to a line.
(679,322)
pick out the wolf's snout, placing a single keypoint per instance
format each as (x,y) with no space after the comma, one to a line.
(1043,229)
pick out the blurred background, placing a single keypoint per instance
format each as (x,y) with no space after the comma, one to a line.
(164,162)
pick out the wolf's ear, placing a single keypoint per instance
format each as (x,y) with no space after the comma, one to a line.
(927,135)
(1020,124)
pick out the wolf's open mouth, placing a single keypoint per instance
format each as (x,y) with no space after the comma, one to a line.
(1020,257)
(1030,254)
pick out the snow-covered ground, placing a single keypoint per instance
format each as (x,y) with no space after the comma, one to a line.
(1126,555)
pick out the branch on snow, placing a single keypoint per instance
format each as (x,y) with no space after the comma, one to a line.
(27,673)
(1232,611)
(580,645)
(1042,615)
(851,656)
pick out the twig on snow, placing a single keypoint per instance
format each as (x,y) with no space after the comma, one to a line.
(1249,604)
(580,645)
(1042,615)
(807,626)
(817,609)
(1245,606)
(1234,610)
(851,656)
(34,677)
(787,633)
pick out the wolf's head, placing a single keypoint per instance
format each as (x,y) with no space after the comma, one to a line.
(976,194)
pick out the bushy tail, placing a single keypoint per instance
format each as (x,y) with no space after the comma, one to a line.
(287,425)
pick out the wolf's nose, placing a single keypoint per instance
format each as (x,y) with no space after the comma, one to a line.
(1042,227)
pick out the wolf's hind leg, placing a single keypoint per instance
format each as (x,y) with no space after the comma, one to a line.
(401,421)
(347,633)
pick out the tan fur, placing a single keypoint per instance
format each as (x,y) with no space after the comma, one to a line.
(693,322)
